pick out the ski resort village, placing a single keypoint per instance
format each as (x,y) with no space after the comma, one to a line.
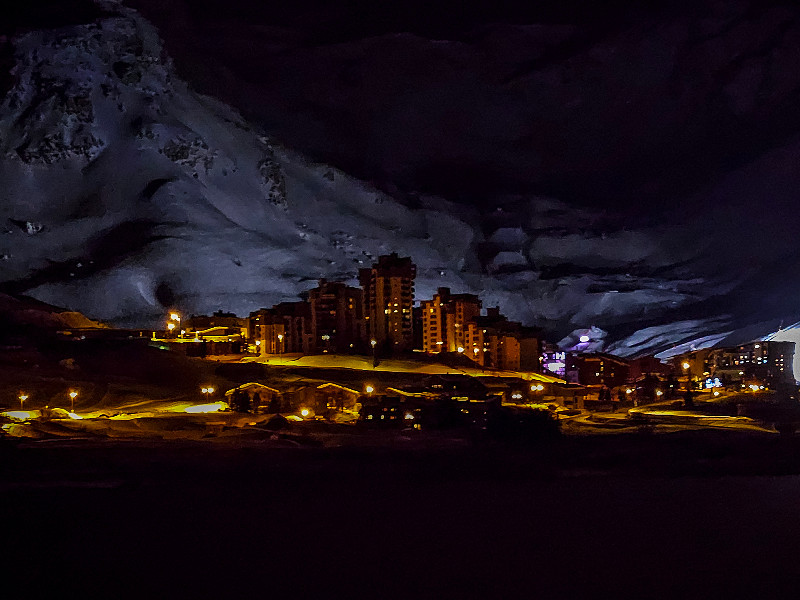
(374,357)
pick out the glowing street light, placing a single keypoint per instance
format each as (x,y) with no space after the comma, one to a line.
(373,342)
(72,395)
(174,322)
(207,391)
(686,366)
(22,398)
(369,389)
(280,344)
(584,339)
(304,412)
(461,348)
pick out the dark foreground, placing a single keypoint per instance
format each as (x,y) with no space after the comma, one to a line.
(692,515)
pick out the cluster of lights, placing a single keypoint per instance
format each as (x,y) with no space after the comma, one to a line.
(173,321)
(537,387)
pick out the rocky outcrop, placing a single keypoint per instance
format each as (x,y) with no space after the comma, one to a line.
(136,194)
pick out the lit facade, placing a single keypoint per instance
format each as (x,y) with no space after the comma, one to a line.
(388,300)
(767,362)
(235,325)
(597,369)
(270,334)
(445,321)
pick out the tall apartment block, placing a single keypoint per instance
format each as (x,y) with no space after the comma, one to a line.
(445,321)
(388,300)
(337,316)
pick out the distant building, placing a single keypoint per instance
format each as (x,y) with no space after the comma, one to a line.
(597,369)
(503,351)
(235,325)
(554,361)
(445,321)
(270,333)
(337,317)
(388,300)
(692,365)
(494,341)
(298,326)
(639,367)
(767,362)
(284,328)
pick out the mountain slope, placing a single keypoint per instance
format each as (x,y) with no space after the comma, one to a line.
(125,193)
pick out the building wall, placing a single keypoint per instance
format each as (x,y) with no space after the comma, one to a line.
(503,351)
(445,321)
(217,319)
(476,348)
(337,316)
(389,297)
(272,337)
(530,355)
(434,326)
(770,362)
(297,328)
(597,369)
(461,310)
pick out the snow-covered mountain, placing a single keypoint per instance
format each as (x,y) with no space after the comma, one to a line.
(123,192)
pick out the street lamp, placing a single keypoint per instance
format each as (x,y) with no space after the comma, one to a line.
(72,395)
(22,398)
(280,344)
(369,389)
(207,391)
(173,316)
(373,342)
